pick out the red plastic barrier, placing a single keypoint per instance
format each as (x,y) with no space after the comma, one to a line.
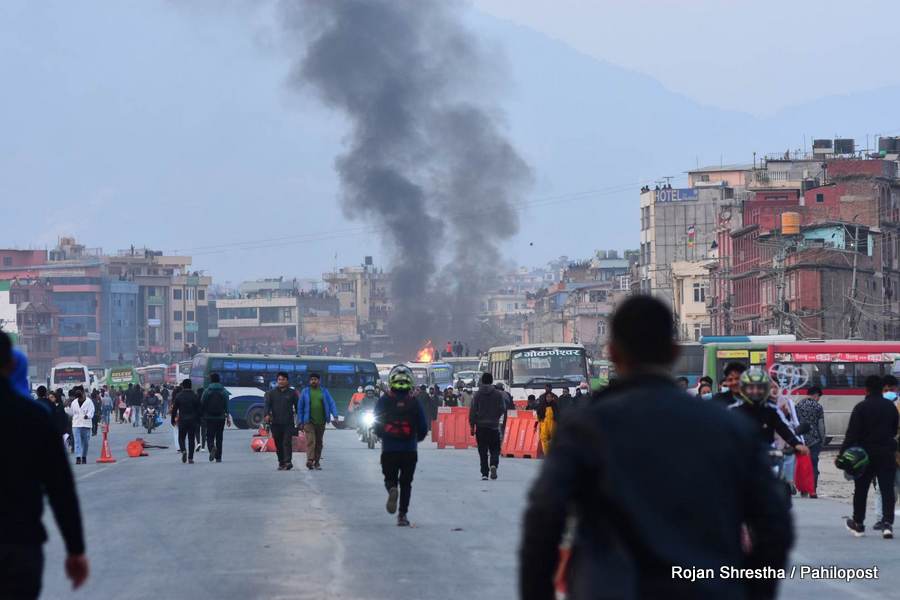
(521,404)
(522,438)
(453,429)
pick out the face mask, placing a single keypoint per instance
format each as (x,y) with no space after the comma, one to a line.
(725,389)
(706,396)
(890,396)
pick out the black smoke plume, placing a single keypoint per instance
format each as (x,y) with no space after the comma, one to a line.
(426,160)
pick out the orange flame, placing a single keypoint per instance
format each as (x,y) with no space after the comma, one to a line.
(426,353)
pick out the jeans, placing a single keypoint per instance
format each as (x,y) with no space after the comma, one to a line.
(488,443)
(790,461)
(884,469)
(215,429)
(315,439)
(104,414)
(283,448)
(814,452)
(82,437)
(398,468)
(187,429)
(877,501)
(136,416)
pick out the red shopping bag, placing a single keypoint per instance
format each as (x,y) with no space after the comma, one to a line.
(803,475)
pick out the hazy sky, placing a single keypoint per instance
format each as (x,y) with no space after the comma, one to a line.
(149,123)
(733,54)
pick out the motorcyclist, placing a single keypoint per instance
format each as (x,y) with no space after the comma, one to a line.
(151,400)
(754,403)
(366,404)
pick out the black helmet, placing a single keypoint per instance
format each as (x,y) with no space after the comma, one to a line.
(755,386)
(853,462)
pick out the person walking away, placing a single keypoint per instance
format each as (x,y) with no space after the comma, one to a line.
(41,471)
(889,391)
(401,424)
(186,415)
(316,409)
(488,408)
(134,398)
(215,411)
(731,385)
(547,414)
(873,426)
(120,406)
(630,539)
(201,428)
(164,393)
(281,415)
(98,411)
(811,414)
(81,410)
(106,406)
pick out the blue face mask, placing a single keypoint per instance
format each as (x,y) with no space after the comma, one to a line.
(890,396)
(706,396)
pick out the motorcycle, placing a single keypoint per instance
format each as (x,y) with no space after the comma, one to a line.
(367,429)
(149,417)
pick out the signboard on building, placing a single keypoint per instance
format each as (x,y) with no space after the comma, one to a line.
(191,327)
(677,194)
(93,336)
(153,322)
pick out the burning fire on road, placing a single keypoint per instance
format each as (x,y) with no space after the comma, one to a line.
(425,353)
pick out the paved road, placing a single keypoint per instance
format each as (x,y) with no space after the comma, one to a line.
(242,529)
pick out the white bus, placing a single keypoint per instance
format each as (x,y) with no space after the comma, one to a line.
(70,375)
(526,368)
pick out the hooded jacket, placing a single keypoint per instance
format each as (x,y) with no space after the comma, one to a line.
(331,412)
(488,407)
(19,378)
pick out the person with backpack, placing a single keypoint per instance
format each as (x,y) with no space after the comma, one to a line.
(214,404)
(488,408)
(401,423)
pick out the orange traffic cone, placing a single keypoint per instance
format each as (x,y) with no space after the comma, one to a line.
(135,448)
(105,455)
(262,432)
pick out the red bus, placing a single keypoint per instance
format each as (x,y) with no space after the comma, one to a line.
(840,368)
(178,372)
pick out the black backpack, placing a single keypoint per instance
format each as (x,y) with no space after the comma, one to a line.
(399,418)
(214,406)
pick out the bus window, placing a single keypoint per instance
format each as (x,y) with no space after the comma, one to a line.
(229,365)
(198,367)
(286,367)
(840,375)
(816,374)
(863,370)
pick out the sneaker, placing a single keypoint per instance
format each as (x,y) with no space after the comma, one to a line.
(484,477)
(855,528)
(309,466)
(199,448)
(813,496)
(318,467)
(878,526)
(183,456)
(211,458)
(77,460)
(280,467)
(288,466)
(190,461)
(494,472)
(218,460)
(888,532)
(402,521)
(393,494)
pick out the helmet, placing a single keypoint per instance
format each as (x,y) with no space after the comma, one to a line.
(852,461)
(755,386)
(400,379)
(370,388)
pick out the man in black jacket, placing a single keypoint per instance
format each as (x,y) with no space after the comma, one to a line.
(488,407)
(134,397)
(43,469)
(215,413)
(186,411)
(281,415)
(731,385)
(641,525)
(873,426)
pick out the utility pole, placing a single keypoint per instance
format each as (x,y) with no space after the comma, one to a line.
(853,321)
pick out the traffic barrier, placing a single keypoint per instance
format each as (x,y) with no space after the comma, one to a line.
(521,404)
(135,448)
(257,444)
(434,431)
(522,438)
(105,455)
(453,428)
(270,445)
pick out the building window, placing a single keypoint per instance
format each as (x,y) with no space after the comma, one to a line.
(177,336)
(151,291)
(201,295)
(189,338)
(177,315)
(176,293)
(699,292)
(7,261)
(820,198)
(596,296)
(190,315)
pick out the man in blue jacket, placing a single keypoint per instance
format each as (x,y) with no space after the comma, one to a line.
(401,423)
(316,408)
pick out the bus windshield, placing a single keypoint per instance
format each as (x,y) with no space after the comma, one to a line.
(69,375)
(548,365)
(442,374)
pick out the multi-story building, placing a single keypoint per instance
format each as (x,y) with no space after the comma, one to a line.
(364,293)
(8,312)
(691,285)
(258,324)
(37,324)
(680,224)
(119,326)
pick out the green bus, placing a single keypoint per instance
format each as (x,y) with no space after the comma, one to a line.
(750,350)
(119,377)
(342,377)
